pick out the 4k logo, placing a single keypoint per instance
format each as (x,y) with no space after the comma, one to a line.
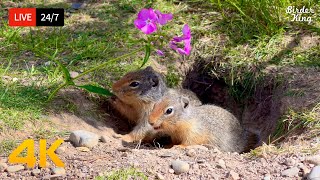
(30,158)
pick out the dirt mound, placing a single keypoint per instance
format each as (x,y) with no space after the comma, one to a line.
(260,109)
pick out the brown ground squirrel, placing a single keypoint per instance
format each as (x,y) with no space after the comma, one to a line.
(190,125)
(136,93)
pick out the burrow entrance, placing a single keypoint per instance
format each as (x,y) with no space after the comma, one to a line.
(256,103)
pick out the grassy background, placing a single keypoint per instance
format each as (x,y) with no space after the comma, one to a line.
(249,36)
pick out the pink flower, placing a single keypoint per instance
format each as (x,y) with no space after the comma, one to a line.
(185,38)
(163,18)
(146,21)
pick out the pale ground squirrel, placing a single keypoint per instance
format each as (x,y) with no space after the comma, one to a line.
(206,124)
(136,93)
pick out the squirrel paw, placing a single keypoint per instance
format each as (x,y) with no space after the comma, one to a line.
(127,138)
(118,136)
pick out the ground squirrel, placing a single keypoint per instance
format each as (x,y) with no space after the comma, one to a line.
(135,95)
(190,125)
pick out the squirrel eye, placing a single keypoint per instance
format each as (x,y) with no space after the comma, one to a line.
(134,84)
(169,111)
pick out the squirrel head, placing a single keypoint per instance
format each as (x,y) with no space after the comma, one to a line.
(168,112)
(146,85)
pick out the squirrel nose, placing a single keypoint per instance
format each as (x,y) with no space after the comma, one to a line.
(154,81)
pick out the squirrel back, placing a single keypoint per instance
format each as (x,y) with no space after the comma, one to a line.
(190,125)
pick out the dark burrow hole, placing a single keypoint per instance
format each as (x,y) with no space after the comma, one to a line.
(256,102)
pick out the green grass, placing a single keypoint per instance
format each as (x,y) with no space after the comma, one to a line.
(293,121)
(173,78)
(123,174)
(6,146)
(19,104)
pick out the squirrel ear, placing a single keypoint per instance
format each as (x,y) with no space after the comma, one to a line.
(185,102)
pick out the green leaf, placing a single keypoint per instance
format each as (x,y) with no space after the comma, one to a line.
(147,55)
(65,71)
(96,89)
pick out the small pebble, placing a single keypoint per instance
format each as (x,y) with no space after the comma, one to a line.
(84,138)
(35,172)
(234,175)
(59,171)
(267,177)
(15,168)
(3,166)
(159,176)
(180,166)
(60,150)
(74,74)
(291,172)
(290,162)
(191,152)
(221,164)
(171,171)
(83,149)
(104,139)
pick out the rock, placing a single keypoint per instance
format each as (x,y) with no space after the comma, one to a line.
(104,139)
(159,176)
(221,164)
(267,177)
(60,150)
(3,166)
(59,171)
(191,152)
(171,171)
(84,138)
(291,172)
(35,172)
(83,149)
(15,168)
(233,175)
(314,174)
(313,159)
(290,162)
(48,63)
(4,160)
(180,166)
(74,74)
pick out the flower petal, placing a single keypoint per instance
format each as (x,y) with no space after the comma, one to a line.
(144,14)
(187,46)
(173,45)
(139,23)
(186,31)
(149,28)
(163,18)
(152,15)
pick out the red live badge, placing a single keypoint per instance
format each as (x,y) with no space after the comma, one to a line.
(22,17)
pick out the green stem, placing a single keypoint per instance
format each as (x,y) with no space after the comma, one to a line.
(93,69)
(56,90)
(109,61)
